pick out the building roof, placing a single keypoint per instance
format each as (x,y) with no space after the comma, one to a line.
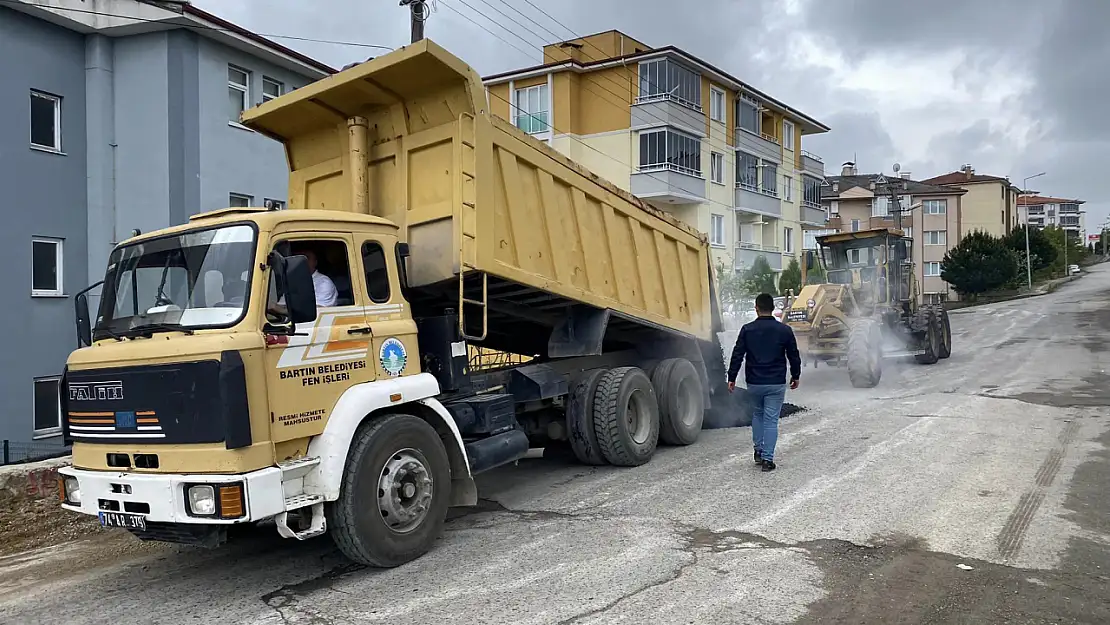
(960,177)
(121,18)
(723,77)
(1040,200)
(863,181)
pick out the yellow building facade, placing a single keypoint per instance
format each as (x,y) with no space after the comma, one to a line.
(678,133)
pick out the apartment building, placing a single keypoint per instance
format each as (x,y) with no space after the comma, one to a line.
(931,215)
(1045,211)
(678,133)
(991,201)
(115,115)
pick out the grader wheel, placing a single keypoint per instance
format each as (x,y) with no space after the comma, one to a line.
(945,333)
(926,320)
(865,363)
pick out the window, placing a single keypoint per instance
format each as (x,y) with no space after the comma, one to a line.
(788,188)
(46,267)
(936,237)
(532,109)
(717,229)
(332,280)
(908,230)
(716,104)
(880,207)
(788,134)
(770,178)
(667,149)
(717,167)
(377,272)
(47,407)
(812,192)
(809,237)
(932,270)
(238,92)
(664,79)
(788,240)
(238,200)
(855,225)
(271,89)
(747,171)
(855,256)
(935,298)
(934,207)
(274,205)
(46,121)
(747,112)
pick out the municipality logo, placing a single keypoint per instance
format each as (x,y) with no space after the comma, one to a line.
(392,356)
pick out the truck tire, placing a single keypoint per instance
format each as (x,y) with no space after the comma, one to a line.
(926,318)
(580,418)
(626,417)
(945,332)
(394,495)
(681,401)
(865,362)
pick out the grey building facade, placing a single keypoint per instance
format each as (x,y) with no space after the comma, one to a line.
(110,124)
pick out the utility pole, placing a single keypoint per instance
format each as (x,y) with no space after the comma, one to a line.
(419,10)
(1024,191)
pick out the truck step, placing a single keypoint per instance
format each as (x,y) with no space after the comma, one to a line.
(296,502)
(297,467)
(316,527)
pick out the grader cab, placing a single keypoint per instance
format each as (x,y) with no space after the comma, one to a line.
(866,310)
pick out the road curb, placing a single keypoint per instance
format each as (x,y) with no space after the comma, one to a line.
(1045,289)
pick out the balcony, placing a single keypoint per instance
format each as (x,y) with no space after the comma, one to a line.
(835,222)
(813,165)
(668,185)
(761,145)
(656,110)
(813,216)
(751,200)
(746,253)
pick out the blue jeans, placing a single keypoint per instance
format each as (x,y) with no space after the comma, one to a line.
(766,405)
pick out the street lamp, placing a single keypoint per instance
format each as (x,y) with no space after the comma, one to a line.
(1028,262)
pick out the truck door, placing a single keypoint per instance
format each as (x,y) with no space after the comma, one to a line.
(394,347)
(311,370)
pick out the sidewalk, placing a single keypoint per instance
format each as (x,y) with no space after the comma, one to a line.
(1039,289)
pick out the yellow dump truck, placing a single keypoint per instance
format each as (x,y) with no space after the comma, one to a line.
(309,366)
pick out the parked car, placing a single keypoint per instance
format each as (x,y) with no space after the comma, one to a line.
(1073,269)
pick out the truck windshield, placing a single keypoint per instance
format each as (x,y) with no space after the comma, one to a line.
(197,279)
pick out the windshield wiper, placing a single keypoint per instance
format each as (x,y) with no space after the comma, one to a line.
(109,333)
(148,329)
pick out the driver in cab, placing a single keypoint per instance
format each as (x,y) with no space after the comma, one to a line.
(326,293)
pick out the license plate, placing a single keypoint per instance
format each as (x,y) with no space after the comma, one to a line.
(796,315)
(122,519)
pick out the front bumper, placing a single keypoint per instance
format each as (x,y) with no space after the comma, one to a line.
(164,494)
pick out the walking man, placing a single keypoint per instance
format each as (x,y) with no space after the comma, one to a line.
(766,344)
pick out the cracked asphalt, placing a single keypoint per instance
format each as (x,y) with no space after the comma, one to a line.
(976,491)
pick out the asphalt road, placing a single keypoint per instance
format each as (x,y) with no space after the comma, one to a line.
(976,490)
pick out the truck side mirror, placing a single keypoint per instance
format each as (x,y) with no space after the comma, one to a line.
(294,281)
(81,316)
(809,260)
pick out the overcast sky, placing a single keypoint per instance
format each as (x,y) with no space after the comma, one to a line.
(1013,87)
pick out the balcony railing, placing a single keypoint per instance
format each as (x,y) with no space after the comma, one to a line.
(771,138)
(813,156)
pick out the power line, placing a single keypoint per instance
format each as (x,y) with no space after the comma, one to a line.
(483,27)
(202,27)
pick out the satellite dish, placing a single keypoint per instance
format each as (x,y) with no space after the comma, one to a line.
(897,168)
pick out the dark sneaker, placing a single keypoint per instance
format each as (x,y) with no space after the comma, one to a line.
(768,466)
(758,457)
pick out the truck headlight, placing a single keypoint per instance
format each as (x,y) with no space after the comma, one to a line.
(71,491)
(202,500)
(811,303)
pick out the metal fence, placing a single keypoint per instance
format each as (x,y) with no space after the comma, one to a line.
(15,452)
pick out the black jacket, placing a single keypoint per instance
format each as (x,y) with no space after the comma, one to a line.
(767,344)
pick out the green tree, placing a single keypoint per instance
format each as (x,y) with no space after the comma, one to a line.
(759,278)
(980,263)
(791,277)
(1041,250)
(730,287)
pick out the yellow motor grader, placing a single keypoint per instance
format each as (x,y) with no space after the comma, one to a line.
(867,310)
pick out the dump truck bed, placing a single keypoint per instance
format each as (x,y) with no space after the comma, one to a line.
(408,137)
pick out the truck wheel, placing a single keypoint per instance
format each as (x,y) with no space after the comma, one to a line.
(926,318)
(681,401)
(580,418)
(945,333)
(865,362)
(626,417)
(394,495)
